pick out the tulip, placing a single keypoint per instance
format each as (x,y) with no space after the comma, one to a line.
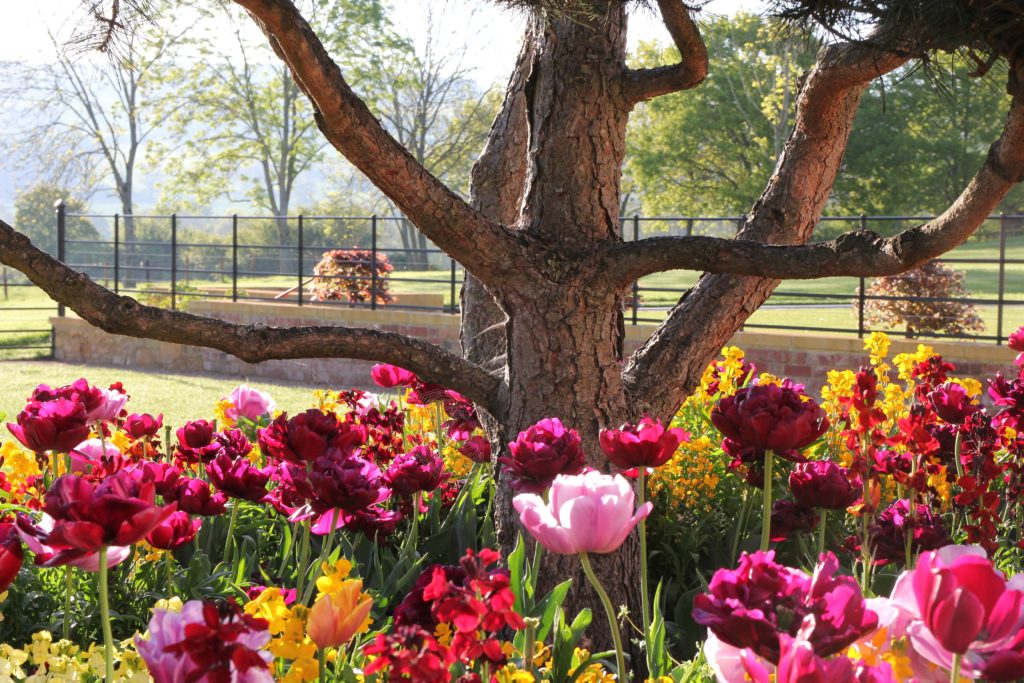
(421,469)
(174,532)
(163,475)
(91,452)
(90,562)
(756,604)
(587,513)
(196,443)
(774,419)
(308,436)
(251,404)
(119,511)
(647,444)
(238,478)
(143,425)
(388,376)
(374,522)
(888,534)
(194,497)
(952,403)
(11,554)
(1016,339)
(414,608)
(337,616)
(476,448)
(541,453)
(969,617)
(824,484)
(789,518)
(350,484)
(799,664)
(206,641)
(58,425)
(110,406)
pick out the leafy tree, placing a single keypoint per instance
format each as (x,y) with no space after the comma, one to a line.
(34,215)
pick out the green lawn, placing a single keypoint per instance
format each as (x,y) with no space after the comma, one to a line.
(178,397)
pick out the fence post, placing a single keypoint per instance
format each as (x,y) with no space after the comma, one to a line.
(174,261)
(1002,278)
(373,262)
(61,239)
(234,257)
(117,251)
(689,227)
(452,293)
(636,283)
(298,292)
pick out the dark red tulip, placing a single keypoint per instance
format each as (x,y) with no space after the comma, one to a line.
(647,444)
(952,403)
(421,469)
(388,376)
(541,453)
(824,484)
(141,425)
(476,448)
(175,531)
(11,554)
(238,478)
(773,418)
(308,436)
(376,523)
(350,484)
(790,518)
(888,533)
(195,497)
(118,511)
(57,425)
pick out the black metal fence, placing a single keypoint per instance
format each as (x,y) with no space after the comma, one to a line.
(169,260)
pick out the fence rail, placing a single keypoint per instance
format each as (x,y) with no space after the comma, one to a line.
(167,262)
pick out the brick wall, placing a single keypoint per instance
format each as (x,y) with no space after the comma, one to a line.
(804,358)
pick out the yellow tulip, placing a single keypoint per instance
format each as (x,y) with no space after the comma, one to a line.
(339,615)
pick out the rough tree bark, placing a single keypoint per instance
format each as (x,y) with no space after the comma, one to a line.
(542,327)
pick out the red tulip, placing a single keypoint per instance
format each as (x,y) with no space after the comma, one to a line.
(541,453)
(174,532)
(308,435)
(119,511)
(420,469)
(388,376)
(647,444)
(773,418)
(824,484)
(194,497)
(141,425)
(11,554)
(195,442)
(57,425)
(952,403)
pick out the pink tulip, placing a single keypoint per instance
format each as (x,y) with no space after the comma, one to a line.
(388,376)
(111,404)
(960,603)
(587,513)
(87,453)
(252,404)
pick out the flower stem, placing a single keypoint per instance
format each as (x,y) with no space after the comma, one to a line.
(322,664)
(620,658)
(741,525)
(325,552)
(168,563)
(954,675)
(645,605)
(229,543)
(68,587)
(303,558)
(822,528)
(108,636)
(766,512)
(414,534)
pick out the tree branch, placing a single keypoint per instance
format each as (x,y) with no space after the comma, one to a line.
(669,365)
(483,246)
(251,343)
(692,69)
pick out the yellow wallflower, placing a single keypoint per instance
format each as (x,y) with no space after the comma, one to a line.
(334,576)
(455,462)
(121,440)
(906,362)
(220,412)
(877,345)
(19,464)
(691,475)
(270,606)
(511,674)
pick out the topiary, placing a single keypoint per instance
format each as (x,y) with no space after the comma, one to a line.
(347,275)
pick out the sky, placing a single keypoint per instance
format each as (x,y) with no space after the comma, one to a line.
(490,36)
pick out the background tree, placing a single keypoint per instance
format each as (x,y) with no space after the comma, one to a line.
(34,215)
(540,235)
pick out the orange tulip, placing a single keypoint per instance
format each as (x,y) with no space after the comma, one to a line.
(337,616)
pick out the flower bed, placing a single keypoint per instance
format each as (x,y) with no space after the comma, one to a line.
(868,537)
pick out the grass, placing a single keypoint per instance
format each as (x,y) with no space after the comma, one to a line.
(179,397)
(657,293)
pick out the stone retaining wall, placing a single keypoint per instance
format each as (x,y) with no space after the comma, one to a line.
(803,357)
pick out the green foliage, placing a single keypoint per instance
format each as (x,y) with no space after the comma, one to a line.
(35,216)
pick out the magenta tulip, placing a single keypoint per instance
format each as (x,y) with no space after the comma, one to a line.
(349,484)
(647,444)
(889,532)
(388,376)
(30,534)
(238,478)
(11,554)
(57,425)
(541,453)
(196,442)
(175,531)
(790,518)
(421,469)
(308,436)
(143,425)
(952,403)
(194,497)
(586,513)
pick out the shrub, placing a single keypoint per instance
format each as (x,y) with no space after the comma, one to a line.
(347,275)
(927,300)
